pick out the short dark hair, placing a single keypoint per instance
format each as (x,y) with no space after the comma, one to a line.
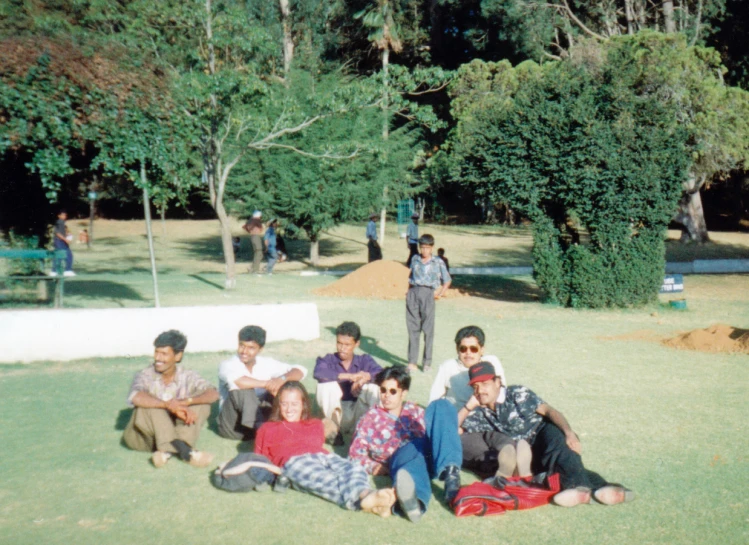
(275,412)
(426,240)
(470,331)
(398,373)
(174,339)
(440,251)
(252,333)
(349,329)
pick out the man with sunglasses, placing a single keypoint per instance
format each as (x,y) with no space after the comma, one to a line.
(400,439)
(487,452)
(521,414)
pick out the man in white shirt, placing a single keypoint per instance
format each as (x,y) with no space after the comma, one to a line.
(248,383)
(486,452)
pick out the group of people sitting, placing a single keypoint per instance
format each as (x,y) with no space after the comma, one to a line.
(473,420)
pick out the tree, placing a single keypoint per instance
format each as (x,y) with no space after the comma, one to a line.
(589,151)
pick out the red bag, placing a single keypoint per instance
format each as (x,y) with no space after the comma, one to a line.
(501,494)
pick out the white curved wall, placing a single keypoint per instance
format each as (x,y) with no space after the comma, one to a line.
(63,335)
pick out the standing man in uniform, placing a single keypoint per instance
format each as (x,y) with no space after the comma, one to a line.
(412,238)
(429,280)
(373,246)
(254,227)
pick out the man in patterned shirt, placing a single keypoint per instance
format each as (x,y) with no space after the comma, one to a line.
(556,448)
(171,405)
(400,439)
(429,280)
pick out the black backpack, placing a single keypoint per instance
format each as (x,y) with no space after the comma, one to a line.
(243,473)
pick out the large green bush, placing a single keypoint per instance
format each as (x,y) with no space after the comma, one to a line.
(593,156)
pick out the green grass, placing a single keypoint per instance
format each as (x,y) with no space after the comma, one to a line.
(668,424)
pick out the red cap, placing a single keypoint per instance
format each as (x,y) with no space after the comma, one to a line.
(481,372)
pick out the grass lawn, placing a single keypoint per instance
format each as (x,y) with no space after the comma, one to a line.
(666,423)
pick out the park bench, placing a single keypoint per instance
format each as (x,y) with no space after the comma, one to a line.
(41,256)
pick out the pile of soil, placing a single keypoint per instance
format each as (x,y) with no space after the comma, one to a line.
(377,280)
(716,338)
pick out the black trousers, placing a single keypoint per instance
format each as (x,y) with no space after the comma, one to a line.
(375,252)
(413,249)
(551,454)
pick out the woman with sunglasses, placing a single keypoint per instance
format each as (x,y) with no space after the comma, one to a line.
(451,383)
(294,441)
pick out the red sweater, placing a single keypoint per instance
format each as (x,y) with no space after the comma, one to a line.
(280,441)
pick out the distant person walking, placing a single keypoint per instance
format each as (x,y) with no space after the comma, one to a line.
(254,227)
(429,280)
(412,238)
(375,252)
(441,255)
(61,241)
(270,245)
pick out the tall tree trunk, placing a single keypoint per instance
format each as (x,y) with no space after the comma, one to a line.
(212,163)
(149,233)
(92,213)
(231,269)
(690,213)
(314,250)
(668,16)
(288,43)
(385,134)
(630,14)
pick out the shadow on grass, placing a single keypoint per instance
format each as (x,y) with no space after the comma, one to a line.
(500,288)
(100,289)
(370,346)
(677,251)
(123,417)
(206,281)
(498,258)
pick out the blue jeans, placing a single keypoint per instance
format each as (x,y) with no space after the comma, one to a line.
(272,258)
(427,457)
(60,245)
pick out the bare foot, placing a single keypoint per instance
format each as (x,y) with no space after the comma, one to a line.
(379,502)
(413,367)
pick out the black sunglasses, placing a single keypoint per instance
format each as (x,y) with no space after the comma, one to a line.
(473,348)
(392,391)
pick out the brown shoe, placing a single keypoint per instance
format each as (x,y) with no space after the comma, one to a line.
(160,458)
(200,459)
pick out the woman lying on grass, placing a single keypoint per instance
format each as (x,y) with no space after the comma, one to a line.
(294,441)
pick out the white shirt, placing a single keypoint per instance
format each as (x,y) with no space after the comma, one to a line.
(264,369)
(451,381)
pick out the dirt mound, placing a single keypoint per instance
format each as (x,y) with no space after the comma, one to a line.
(716,338)
(378,280)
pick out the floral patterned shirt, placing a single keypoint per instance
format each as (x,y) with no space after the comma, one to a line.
(516,416)
(431,274)
(186,383)
(379,434)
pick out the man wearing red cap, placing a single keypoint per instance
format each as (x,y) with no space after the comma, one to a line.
(555,447)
